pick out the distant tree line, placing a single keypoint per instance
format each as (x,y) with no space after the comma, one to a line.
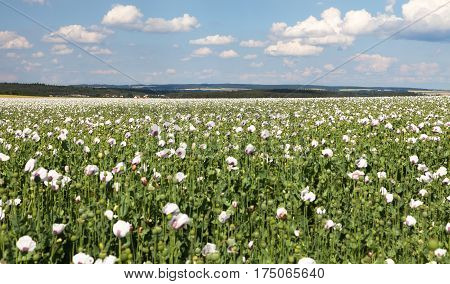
(43,90)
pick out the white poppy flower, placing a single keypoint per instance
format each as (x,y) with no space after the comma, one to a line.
(91,170)
(120,167)
(179,177)
(306,260)
(356,175)
(423,192)
(321,211)
(2,214)
(223,217)
(171,208)
(82,258)
(389,261)
(111,259)
(447,227)
(251,128)
(414,159)
(442,171)
(29,166)
(415,203)
(382,175)
(4,157)
(250,149)
(265,134)
(109,214)
(361,163)
(58,228)
(383,191)
(327,153)
(209,249)
(121,228)
(181,152)
(281,213)
(329,224)
(136,160)
(106,176)
(26,244)
(440,252)
(389,197)
(179,221)
(410,221)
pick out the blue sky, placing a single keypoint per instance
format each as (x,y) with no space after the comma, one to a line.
(234,41)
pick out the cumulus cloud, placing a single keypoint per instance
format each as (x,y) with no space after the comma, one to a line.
(292,48)
(228,54)
(98,50)
(422,69)
(11,40)
(390,6)
(76,33)
(374,63)
(201,52)
(252,43)
(332,28)
(61,49)
(129,16)
(213,40)
(38,54)
(435,27)
(256,64)
(335,28)
(171,71)
(122,15)
(250,56)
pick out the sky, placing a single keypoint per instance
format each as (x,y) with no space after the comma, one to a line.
(233,41)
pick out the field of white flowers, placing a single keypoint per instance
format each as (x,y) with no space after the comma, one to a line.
(225,181)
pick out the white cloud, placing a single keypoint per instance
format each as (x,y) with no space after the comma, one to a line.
(201,52)
(422,69)
(171,71)
(104,72)
(328,67)
(310,71)
(29,66)
(229,54)
(129,16)
(61,49)
(213,40)
(38,54)
(12,55)
(76,33)
(292,48)
(11,40)
(250,56)
(332,28)
(122,15)
(374,63)
(288,63)
(252,43)
(98,50)
(256,64)
(180,24)
(55,61)
(435,27)
(39,2)
(390,6)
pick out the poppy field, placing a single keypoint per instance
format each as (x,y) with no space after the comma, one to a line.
(360,180)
